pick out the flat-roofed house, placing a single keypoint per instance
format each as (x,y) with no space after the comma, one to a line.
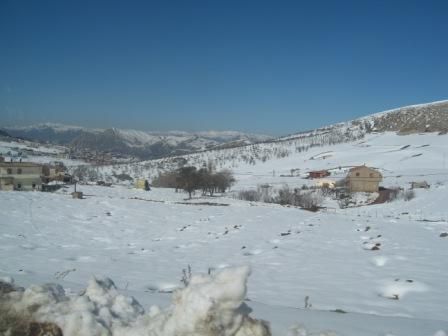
(318,174)
(364,179)
(20,176)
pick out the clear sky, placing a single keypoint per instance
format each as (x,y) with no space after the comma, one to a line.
(272,67)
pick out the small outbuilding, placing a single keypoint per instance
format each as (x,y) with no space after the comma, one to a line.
(363,179)
(318,174)
(326,183)
(142,184)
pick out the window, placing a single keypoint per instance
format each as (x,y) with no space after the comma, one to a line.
(19,186)
(19,170)
(9,171)
(357,174)
(371,174)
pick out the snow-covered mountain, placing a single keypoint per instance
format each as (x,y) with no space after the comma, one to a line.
(431,118)
(144,145)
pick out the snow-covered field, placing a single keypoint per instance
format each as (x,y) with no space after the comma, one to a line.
(324,261)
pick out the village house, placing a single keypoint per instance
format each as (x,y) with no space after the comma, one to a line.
(363,179)
(318,174)
(55,171)
(20,176)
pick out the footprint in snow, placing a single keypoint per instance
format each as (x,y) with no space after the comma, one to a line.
(398,288)
(370,246)
(253,252)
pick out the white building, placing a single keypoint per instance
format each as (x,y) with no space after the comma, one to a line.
(20,176)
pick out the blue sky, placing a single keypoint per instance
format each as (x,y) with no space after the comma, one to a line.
(272,67)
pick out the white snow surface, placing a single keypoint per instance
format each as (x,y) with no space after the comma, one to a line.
(143,240)
(209,305)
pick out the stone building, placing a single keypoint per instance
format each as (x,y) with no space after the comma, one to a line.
(364,179)
(20,176)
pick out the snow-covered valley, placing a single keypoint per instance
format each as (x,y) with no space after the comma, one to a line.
(305,265)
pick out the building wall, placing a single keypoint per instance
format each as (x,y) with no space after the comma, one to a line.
(27,183)
(140,184)
(20,176)
(364,179)
(6,184)
(363,186)
(37,170)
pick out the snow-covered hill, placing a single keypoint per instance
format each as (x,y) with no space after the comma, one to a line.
(311,271)
(302,145)
(430,117)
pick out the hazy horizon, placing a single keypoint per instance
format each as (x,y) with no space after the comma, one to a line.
(55,123)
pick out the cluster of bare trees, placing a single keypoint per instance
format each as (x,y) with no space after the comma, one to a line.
(191,179)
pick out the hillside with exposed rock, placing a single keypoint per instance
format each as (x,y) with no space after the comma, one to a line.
(432,117)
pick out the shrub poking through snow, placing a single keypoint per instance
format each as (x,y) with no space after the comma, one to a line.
(210,305)
(304,198)
(397,193)
(249,195)
(407,195)
(186,276)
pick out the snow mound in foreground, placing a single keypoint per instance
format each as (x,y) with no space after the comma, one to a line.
(208,306)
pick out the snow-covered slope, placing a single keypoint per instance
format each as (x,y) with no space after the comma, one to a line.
(144,239)
(317,270)
(400,121)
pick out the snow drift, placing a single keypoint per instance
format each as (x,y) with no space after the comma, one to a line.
(208,305)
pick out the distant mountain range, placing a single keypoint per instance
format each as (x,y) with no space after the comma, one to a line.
(430,117)
(141,144)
